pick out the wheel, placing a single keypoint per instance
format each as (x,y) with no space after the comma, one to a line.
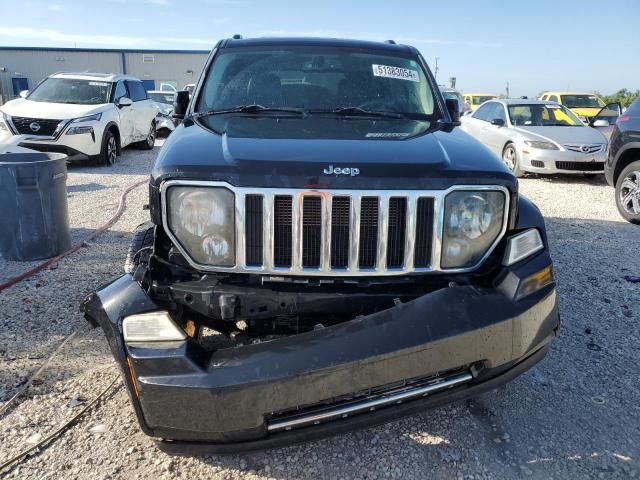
(150,141)
(140,248)
(628,193)
(510,159)
(109,151)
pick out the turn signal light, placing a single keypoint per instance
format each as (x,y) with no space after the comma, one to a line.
(535,282)
(151,327)
(522,245)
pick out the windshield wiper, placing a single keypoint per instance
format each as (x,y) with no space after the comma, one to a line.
(357,112)
(255,108)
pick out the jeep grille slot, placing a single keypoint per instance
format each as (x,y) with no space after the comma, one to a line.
(282,231)
(254,229)
(369,213)
(311,231)
(340,218)
(396,232)
(424,225)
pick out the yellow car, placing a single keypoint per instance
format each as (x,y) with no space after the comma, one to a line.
(474,100)
(584,105)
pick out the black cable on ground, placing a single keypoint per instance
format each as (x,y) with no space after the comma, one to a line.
(60,430)
(24,388)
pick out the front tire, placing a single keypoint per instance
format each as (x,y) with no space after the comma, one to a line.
(628,193)
(511,160)
(140,248)
(150,141)
(109,151)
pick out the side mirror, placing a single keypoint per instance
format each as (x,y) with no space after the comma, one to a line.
(124,102)
(454,110)
(180,104)
(24,93)
(600,123)
(499,122)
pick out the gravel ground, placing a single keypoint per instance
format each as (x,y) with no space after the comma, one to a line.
(576,415)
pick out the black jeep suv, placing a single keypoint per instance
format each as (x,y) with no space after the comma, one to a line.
(622,169)
(326,250)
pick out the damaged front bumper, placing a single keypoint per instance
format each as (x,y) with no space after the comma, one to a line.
(443,346)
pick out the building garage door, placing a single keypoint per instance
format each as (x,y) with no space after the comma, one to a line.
(149,84)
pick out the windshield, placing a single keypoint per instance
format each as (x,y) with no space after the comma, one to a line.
(68,90)
(541,115)
(316,78)
(162,97)
(478,99)
(581,101)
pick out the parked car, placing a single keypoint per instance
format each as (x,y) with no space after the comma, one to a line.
(190,87)
(474,100)
(538,137)
(584,105)
(450,93)
(359,256)
(84,115)
(164,103)
(622,169)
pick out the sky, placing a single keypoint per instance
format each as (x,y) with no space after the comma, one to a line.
(547,45)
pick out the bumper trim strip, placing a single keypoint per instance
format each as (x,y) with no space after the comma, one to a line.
(366,405)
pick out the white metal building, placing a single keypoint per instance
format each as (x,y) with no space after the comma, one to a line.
(21,68)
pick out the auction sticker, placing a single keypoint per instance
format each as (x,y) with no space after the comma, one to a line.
(98,84)
(395,72)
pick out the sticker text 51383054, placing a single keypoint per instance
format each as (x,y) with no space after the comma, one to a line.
(395,72)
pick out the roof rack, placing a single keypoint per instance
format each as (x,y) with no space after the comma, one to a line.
(390,42)
(237,36)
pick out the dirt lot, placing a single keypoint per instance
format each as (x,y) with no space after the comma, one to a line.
(576,415)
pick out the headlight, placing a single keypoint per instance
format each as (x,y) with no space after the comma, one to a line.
(89,118)
(473,221)
(541,144)
(3,122)
(203,221)
(79,130)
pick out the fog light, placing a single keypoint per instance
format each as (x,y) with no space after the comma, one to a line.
(522,245)
(535,282)
(151,327)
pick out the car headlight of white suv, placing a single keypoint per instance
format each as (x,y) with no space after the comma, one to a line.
(4,126)
(76,130)
(202,219)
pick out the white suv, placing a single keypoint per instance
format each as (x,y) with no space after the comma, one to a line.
(84,115)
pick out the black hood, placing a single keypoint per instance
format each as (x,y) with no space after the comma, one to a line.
(293,152)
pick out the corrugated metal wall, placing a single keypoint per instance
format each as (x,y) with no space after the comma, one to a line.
(179,68)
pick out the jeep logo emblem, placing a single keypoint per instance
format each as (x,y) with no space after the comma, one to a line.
(341,171)
(35,127)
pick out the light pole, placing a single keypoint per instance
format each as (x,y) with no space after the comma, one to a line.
(435,70)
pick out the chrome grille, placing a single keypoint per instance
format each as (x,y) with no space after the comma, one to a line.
(586,149)
(319,232)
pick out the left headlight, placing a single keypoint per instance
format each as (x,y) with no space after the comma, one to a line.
(89,118)
(473,221)
(541,144)
(203,220)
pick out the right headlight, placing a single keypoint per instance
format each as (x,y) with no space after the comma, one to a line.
(203,221)
(3,122)
(473,221)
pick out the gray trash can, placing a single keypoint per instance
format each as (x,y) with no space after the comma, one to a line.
(34,220)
